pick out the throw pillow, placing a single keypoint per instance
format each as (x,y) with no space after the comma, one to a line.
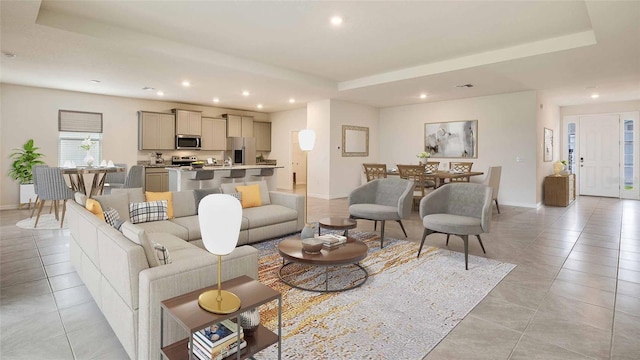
(264,191)
(157,196)
(112,218)
(134,194)
(95,208)
(80,198)
(162,253)
(148,211)
(250,195)
(237,195)
(199,194)
(120,202)
(139,236)
(228,188)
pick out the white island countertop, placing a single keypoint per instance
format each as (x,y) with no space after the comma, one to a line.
(227,168)
(184,178)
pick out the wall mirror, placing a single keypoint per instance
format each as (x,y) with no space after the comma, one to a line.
(355,141)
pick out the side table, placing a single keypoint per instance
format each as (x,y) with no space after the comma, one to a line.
(184,309)
(336,223)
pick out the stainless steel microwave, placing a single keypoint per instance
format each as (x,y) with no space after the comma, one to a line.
(191,142)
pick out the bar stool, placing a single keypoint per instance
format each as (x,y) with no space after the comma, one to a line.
(202,175)
(236,174)
(265,172)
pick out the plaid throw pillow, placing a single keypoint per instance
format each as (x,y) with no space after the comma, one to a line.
(236,195)
(162,253)
(148,211)
(112,218)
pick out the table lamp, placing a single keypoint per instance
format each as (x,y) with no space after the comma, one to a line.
(306,140)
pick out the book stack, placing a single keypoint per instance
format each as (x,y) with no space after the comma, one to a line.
(331,241)
(218,341)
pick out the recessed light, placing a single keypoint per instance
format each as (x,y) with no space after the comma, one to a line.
(259,106)
(9,55)
(95,81)
(148,88)
(465,86)
(292,100)
(160,93)
(216,100)
(186,83)
(246,93)
(336,20)
(423,96)
(595,96)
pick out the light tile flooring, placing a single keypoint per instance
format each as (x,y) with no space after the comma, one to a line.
(575,293)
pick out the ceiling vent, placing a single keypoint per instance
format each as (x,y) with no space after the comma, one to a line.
(465,86)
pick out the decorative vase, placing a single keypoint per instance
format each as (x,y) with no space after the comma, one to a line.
(249,320)
(307,232)
(558,167)
(89,159)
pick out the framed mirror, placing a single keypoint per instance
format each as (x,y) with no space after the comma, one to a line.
(355,141)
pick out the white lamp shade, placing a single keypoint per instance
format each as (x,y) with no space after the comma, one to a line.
(306,139)
(220,217)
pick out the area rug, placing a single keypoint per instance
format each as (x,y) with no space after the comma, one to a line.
(405,308)
(46,222)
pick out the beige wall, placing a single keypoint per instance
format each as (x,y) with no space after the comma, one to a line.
(319,162)
(283,123)
(506,131)
(548,117)
(30,112)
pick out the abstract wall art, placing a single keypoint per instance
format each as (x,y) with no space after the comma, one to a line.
(452,139)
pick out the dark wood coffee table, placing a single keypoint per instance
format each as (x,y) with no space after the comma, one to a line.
(348,254)
(336,223)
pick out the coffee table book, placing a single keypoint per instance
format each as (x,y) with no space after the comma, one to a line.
(185,311)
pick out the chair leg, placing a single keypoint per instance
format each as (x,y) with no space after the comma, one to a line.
(64,209)
(55,204)
(39,211)
(482,246)
(381,233)
(448,240)
(33,211)
(375,225)
(465,238)
(424,237)
(402,227)
(497,206)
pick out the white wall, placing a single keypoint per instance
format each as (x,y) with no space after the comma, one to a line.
(282,124)
(506,130)
(30,112)
(601,108)
(319,161)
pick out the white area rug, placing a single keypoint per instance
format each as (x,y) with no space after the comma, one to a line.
(46,222)
(406,307)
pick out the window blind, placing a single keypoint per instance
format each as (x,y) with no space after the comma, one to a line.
(79,121)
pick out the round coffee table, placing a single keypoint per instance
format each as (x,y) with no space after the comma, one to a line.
(336,223)
(348,254)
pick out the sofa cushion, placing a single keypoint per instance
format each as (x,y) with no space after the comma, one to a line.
(166,226)
(250,195)
(134,194)
(374,211)
(191,224)
(119,201)
(148,211)
(264,191)
(139,236)
(268,215)
(199,194)
(158,196)
(228,188)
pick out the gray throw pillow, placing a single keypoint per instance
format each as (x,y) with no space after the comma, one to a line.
(199,194)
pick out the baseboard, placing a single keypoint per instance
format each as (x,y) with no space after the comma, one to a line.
(9,207)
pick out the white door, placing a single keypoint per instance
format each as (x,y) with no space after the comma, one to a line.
(599,155)
(298,160)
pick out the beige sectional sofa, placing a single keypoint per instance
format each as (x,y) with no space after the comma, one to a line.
(114,267)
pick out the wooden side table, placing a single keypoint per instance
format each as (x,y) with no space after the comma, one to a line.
(184,309)
(559,190)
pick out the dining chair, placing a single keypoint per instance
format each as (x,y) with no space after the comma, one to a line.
(493,180)
(375,171)
(461,167)
(51,186)
(416,173)
(134,177)
(115,179)
(34,170)
(432,166)
(460,209)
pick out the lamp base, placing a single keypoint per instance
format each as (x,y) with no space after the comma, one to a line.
(227,303)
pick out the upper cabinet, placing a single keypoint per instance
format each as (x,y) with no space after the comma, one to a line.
(214,134)
(188,122)
(239,126)
(156,131)
(262,133)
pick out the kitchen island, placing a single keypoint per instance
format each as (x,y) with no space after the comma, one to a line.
(182,178)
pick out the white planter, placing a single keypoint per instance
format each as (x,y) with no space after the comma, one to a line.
(27,193)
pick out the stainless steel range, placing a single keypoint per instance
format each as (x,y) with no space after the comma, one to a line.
(183,160)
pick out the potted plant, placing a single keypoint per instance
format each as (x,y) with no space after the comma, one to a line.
(23,161)
(423,156)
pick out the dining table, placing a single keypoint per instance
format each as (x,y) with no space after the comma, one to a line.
(442,177)
(98,174)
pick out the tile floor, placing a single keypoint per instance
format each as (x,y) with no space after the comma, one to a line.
(575,293)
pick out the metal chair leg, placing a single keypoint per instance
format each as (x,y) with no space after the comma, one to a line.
(465,238)
(382,233)
(482,246)
(375,225)
(448,240)
(402,227)
(33,211)
(39,211)
(424,237)
(497,206)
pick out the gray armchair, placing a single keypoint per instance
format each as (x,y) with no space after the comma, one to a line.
(381,200)
(460,209)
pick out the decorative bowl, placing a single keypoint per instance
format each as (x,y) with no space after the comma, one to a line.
(312,245)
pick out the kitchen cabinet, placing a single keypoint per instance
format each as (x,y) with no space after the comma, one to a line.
(188,122)
(156,179)
(156,131)
(239,126)
(214,134)
(262,133)
(559,190)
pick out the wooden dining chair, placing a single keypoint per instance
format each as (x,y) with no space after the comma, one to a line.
(432,166)
(461,167)
(417,174)
(375,171)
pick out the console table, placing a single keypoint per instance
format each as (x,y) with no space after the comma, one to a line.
(559,190)
(184,309)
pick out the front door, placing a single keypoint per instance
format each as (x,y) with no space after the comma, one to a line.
(599,155)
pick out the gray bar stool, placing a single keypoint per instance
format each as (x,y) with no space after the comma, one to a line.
(236,174)
(265,172)
(201,176)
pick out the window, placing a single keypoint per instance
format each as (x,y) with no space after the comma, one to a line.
(571,144)
(628,154)
(74,127)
